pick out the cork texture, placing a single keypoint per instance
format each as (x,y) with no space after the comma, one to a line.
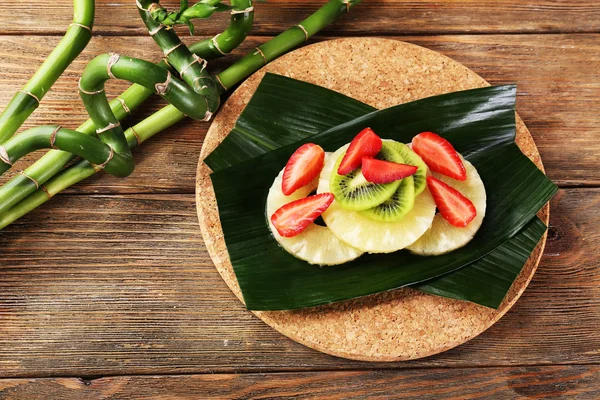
(397,325)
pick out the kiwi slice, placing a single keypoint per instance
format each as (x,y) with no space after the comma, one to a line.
(397,206)
(412,158)
(354,192)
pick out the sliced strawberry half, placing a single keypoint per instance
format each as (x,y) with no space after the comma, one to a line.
(303,166)
(439,155)
(293,218)
(379,171)
(452,205)
(365,144)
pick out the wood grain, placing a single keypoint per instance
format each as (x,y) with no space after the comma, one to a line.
(122,284)
(559,95)
(372,17)
(549,382)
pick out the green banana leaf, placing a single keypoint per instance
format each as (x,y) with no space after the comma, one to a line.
(480,123)
(487,280)
(283,111)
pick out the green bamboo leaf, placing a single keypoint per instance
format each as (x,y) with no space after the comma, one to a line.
(297,110)
(487,280)
(481,125)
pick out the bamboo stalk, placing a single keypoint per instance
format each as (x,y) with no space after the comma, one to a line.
(27,182)
(99,154)
(190,67)
(72,44)
(169,115)
(112,151)
(242,18)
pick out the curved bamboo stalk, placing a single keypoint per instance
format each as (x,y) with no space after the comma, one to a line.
(169,115)
(242,18)
(190,67)
(27,182)
(98,154)
(72,44)
(112,150)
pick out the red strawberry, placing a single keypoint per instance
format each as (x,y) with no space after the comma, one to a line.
(452,205)
(295,217)
(379,171)
(365,144)
(439,155)
(303,166)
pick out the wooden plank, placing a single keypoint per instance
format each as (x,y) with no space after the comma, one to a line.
(114,285)
(578,381)
(559,95)
(120,17)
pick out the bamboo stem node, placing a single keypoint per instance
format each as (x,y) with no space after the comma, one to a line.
(139,5)
(37,185)
(45,190)
(172,49)
(161,88)
(4,156)
(124,105)
(221,83)
(108,127)
(53,137)
(137,137)
(81,26)
(347,3)
(214,41)
(303,30)
(156,30)
(207,116)
(153,6)
(32,95)
(100,167)
(114,58)
(92,93)
(197,59)
(262,54)
(247,10)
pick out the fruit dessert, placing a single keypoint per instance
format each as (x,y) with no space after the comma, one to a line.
(292,215)
(375,196)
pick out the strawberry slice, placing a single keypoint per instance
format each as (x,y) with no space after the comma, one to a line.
(293,218)
(439,155)
(365,144)
(379,171)
(452,205)
(303,166)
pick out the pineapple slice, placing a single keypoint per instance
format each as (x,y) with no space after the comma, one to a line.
(375,236)
(317,244)
(443,237)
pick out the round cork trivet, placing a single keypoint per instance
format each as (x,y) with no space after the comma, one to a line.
(400,324)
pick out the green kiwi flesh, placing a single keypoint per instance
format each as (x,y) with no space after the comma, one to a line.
(397,206)
(354,192)
(412,158)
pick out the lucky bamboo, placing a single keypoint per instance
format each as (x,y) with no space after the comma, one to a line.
(190,67)
(72,44)
(112,144)
(29,180)
(170,115)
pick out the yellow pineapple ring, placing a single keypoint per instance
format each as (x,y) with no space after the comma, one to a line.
(317,244)
(375,236)
(444,237)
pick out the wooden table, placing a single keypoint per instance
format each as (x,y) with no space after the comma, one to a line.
(108,292)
